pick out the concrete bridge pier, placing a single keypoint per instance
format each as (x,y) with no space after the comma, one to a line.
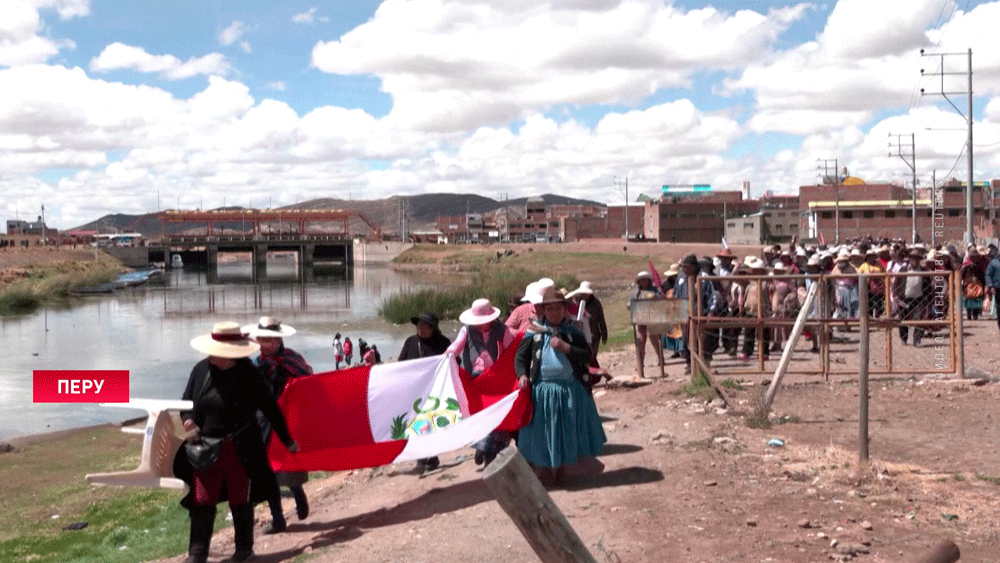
(259,261)
(211,254)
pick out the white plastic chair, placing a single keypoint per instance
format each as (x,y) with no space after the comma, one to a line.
(161,441)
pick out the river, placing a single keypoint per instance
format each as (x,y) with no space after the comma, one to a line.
(146,330)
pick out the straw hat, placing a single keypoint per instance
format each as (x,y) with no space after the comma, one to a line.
(533,292)
(725,253)
(843,256)
(584,289)
(643,275)
(673,270)
(481,312)
(269,327)
(226,340)
(779,266)
(813,261)
(756,264)
(856,252)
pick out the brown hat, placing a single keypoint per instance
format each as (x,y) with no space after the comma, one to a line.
(552,295)
(725,253)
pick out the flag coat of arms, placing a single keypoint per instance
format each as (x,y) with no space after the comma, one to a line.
(368,416)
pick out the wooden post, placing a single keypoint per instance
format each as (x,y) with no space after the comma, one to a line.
(863,370)
(711,380)
(956,305)
(793,339)
(525,500)
(944,552)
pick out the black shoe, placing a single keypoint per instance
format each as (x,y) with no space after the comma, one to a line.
(242,555)
(274,527)
(432,464)
(488,458)
(675,355)
(479,457)
(301,503)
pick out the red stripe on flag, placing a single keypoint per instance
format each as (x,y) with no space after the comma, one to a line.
(498,381)
(325,412)
(656,275)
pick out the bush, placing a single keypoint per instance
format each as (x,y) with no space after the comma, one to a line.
(497,284)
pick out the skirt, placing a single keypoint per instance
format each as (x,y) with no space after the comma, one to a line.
(565,425)
(974,303)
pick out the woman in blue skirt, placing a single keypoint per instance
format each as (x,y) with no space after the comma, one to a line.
(565,426)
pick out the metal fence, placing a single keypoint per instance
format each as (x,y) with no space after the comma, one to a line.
(914,319)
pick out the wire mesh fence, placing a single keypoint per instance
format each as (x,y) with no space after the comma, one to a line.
(914,321)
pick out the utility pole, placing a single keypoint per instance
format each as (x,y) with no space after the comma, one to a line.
(970,234)
(626,206)
(836,192)
(43,224)
(912,163)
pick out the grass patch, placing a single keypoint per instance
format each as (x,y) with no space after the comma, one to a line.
(987,478)
(53,283)
(732,384)
(757,416)
(496,283)
(124,525)
(699,386)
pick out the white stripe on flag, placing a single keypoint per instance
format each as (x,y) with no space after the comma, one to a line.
(395,388)
(455,436)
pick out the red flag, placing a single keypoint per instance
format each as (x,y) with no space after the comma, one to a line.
(821,239)
(402,411)
(656,275)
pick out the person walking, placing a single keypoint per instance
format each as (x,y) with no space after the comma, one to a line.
(428,341)
(552,360)
(993,283)
(338,351)
(645,290)
(227,454)
(477,346)
(278,365)
(348,351)
(594,312)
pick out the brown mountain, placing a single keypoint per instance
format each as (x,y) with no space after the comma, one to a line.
(385,214)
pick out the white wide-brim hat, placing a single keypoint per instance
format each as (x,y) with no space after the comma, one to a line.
(534,291)
(269,327)
(227,340)
(480,313)
(756,264)
(584,289)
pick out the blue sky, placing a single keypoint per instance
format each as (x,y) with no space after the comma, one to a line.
(115,106)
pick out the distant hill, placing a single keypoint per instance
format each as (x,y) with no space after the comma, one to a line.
(422,210)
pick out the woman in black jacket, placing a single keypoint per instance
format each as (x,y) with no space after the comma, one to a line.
(227,390)
(428,341)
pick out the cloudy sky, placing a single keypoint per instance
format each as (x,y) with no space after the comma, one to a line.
(125,106)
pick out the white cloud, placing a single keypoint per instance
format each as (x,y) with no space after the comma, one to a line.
(307,17)
(278,85)
(245,45)
(451,66)
(119,56)
(232,33)
(864,29)
(22,40)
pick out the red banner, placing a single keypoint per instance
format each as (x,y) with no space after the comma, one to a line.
(80,386)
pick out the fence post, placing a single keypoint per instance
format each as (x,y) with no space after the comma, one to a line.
(944,552)
(863,369)
(793,338)
(521,495)
(956,306)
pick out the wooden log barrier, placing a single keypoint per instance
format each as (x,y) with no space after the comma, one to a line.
(525,500)
(944,552)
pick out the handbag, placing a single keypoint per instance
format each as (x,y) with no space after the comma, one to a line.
(202,452)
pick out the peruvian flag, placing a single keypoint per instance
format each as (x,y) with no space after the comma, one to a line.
(369,416)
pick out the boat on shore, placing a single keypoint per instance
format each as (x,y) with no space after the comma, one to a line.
(130,279)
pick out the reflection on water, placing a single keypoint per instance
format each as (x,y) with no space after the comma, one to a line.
(146,330)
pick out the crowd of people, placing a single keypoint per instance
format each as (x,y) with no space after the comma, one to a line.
(759,286)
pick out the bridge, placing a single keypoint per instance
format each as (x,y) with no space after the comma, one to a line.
(259,232)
